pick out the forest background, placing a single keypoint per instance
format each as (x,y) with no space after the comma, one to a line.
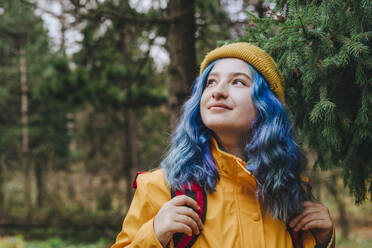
(90,91)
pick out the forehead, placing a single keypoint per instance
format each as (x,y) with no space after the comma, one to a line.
(229,66)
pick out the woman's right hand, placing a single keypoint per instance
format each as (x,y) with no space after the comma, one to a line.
(175,217)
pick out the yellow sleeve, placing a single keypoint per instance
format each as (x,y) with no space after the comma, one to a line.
(138,225)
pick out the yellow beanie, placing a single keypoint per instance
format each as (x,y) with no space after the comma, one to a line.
(255,56)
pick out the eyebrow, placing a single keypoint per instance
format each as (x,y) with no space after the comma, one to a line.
(234,74)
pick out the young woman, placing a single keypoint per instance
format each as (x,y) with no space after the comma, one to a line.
(234,140)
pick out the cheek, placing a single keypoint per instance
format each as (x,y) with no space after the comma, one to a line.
(250,116)
(248,112)
(203,104)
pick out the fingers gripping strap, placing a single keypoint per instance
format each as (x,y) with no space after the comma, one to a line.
(296,237)
(197,193)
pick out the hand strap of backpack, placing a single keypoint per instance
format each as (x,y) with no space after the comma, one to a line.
(197,193)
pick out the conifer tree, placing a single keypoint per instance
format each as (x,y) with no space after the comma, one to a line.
(323,49)
(45,75)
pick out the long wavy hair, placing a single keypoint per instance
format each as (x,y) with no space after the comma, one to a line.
(272,154)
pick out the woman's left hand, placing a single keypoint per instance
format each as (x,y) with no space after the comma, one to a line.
(315,217)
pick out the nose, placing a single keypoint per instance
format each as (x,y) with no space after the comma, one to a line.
(219,91)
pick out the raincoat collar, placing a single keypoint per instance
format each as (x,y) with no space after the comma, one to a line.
(230,165)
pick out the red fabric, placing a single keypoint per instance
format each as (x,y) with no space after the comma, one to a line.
(134,184)
(297,241)
(199,199)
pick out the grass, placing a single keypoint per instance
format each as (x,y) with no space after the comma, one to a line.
(354,243)
(56,242)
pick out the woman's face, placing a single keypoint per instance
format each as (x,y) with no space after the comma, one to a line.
(226,105)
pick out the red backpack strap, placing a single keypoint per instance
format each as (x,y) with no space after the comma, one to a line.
(296,237)
(197,193)
(134,184)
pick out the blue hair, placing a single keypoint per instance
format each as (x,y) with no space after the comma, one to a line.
(276,160)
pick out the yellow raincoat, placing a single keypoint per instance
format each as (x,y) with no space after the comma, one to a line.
(234,217)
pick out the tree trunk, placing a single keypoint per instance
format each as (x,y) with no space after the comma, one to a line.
(62,21)
(332,188)
(70,115)
(25,137)
(183,68)
(2,198)
(260,9)
(39,184)
(316,184)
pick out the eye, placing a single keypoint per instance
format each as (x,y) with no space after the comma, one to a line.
(238,82)
(210,82)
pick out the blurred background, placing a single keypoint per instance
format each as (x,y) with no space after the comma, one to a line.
(90,91)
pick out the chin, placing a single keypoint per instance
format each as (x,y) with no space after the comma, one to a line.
(222,128)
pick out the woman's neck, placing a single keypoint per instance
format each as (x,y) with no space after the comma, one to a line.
(232,144)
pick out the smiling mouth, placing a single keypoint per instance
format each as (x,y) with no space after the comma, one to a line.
(219,107)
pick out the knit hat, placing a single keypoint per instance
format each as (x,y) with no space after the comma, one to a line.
(255,56)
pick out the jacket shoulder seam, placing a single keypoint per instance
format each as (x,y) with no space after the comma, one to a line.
(141,183)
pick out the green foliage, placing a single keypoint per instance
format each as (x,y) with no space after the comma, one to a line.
(49,82)
(118,75)
(212,25)
(323,50)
